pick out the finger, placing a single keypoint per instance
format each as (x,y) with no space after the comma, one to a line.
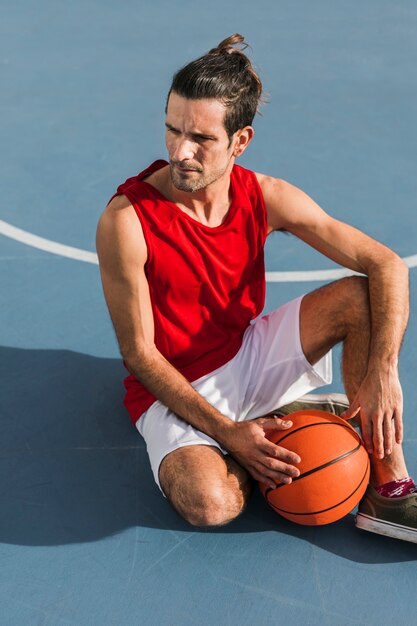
(281,454)
(398,426)
(257,471)
(387,431)
(274,423)
(366,430)
(278,467)
(277,470)
(262,479)
(378,437)
(352,411)
(273,477)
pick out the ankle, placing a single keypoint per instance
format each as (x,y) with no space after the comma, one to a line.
(389,468)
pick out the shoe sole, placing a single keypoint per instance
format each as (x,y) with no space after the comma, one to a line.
(388,529)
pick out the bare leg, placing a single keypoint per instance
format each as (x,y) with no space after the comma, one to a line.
(205,487)
(208,489)
(340,312)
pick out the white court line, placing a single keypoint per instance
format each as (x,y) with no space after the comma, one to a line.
(91,257)
(46,244)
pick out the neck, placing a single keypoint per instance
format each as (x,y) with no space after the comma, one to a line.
(209,205)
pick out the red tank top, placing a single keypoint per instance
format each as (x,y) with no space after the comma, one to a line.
(206,284)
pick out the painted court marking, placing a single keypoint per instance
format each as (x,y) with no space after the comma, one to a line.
(91,257)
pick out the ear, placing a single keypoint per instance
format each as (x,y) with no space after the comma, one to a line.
(242,139)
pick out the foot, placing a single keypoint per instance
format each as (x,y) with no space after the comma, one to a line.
(393,517)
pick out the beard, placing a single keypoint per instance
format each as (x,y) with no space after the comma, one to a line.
(194,180)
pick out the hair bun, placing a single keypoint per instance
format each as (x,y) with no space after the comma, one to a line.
(228,45)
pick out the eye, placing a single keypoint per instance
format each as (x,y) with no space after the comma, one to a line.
(200,138)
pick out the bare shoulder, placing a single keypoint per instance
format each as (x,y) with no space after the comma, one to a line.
(278,195)
(119,234)
(269,183)
(270,186)
(118,211)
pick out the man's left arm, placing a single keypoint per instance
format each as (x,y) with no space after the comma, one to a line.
(379,398)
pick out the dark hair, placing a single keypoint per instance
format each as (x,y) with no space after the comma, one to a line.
(225,73)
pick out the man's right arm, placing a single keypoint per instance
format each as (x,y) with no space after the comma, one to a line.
(122,253)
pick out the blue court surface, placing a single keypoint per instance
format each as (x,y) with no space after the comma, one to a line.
(85,536)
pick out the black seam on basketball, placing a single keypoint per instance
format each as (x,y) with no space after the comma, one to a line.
(321,467)
(278,510)
(347,426)
(318,468)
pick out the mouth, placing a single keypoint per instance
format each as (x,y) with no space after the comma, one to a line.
(185,169)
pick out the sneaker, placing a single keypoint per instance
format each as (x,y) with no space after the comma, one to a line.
(335,403)
(393,517)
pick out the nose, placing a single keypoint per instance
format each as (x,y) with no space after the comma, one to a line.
(183,149)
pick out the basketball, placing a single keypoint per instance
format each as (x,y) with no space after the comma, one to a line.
(334,469)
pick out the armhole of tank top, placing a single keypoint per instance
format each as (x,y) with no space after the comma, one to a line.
(136,206)
(112,198)
(260,196)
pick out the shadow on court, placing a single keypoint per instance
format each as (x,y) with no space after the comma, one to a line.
(75,470)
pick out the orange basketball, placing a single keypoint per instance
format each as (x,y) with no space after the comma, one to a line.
(334,469)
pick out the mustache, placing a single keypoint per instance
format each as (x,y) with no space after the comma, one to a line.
(189,165)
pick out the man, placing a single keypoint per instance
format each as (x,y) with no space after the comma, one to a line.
(181,258)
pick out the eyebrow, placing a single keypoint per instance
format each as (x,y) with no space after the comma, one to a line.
(199,135)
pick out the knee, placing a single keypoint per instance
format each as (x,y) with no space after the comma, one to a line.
(215,507)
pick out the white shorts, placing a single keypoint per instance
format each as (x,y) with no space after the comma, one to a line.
(269,371)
